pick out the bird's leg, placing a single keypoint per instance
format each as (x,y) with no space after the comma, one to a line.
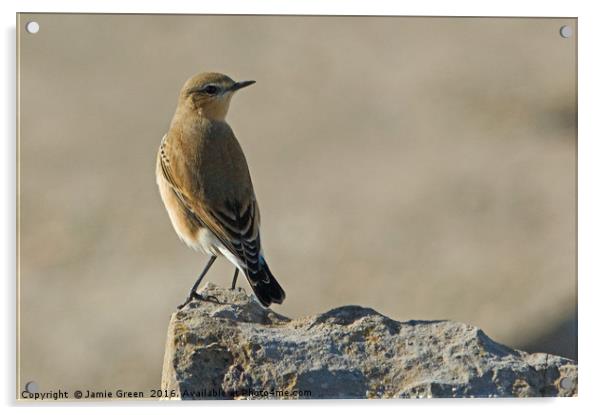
(193,294)
(234,279)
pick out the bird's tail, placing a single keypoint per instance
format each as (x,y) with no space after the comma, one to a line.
(264,285)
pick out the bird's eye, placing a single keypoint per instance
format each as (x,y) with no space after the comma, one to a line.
(211,89)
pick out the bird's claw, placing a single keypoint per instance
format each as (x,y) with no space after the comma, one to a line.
(211,299)
(197,296)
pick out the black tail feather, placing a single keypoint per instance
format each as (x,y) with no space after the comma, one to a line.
(266,288)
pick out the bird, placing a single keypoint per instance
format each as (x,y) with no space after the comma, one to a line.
(205,185)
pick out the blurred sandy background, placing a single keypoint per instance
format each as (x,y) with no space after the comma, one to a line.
(425,167)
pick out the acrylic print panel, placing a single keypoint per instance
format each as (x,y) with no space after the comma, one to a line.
(421,167)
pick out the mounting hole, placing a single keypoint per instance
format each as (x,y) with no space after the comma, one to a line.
(566,383)
(566,31)
(32,27)
(31,387)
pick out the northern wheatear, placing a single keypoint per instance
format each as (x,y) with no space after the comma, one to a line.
(206,187)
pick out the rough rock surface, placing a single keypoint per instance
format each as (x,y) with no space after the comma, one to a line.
(234,348)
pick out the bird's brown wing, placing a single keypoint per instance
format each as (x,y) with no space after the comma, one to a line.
(240,225)
(231,215)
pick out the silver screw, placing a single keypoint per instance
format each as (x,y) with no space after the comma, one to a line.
(566,31)
(31,387)
(566,383)
(32,27)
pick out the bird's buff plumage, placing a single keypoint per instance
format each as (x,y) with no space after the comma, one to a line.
(206,187)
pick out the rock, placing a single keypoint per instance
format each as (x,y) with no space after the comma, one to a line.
(230,347)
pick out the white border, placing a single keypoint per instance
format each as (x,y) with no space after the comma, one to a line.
(347,7)
(590,202)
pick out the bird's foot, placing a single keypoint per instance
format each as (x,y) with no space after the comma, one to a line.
(196,296)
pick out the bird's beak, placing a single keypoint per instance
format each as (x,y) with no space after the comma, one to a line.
(241,84)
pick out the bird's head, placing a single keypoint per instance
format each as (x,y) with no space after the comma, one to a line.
(208,94)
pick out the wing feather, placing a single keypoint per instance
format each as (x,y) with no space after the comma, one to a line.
(234,223)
